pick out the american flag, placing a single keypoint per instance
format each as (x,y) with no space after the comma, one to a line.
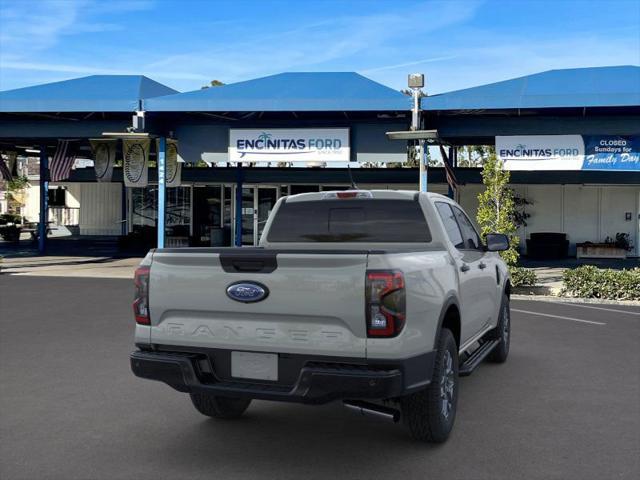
(62,161)
(448,170)
(5,172)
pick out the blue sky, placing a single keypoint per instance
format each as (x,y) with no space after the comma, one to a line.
(184,44)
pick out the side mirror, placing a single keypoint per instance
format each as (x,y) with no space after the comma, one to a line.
(497,242)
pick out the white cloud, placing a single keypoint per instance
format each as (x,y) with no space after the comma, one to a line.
(351,41)
(89,70)
(494,59)
(435,37)
(30,27)
(408,64)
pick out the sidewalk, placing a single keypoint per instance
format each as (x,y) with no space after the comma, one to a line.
(68,266)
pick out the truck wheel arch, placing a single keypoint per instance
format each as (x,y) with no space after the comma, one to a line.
(507,288)
(450,318)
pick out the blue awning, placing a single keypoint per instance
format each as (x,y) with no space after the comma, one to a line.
(288,92)
(577,87)
(96,93)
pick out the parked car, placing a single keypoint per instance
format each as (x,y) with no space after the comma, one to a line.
(379,299)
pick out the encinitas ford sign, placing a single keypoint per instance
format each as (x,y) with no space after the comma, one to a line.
(569,152)
(541,152)
(289,145)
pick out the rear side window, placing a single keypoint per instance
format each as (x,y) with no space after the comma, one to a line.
(350,220)
(450,224)
(471,238)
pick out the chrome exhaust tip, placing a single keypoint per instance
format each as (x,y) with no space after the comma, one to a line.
(368,409)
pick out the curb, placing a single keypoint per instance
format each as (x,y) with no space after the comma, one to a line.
(555,299)
(535,290)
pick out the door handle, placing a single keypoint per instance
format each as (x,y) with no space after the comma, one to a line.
(482,266)
(465,267)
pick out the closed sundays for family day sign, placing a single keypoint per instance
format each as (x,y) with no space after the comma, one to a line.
(611,153)
(289,145)
(569,152)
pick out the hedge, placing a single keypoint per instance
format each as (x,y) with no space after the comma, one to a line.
(522,277)
(588,281)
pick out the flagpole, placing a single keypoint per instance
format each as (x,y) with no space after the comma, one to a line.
(44,200)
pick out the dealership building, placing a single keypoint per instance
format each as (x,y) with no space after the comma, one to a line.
(571,139)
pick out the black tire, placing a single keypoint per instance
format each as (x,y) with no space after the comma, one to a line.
(425,412)
(219,407)
(503,333)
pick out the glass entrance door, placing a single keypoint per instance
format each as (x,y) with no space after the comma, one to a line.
(267,198)
(257,203)
(248,213)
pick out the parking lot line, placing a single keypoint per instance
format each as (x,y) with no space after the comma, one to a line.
(571,304)
(557,316)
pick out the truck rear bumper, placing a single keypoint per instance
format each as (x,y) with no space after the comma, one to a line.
(317,382)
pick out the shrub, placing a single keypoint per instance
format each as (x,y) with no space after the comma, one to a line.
(592,282)
(496,207)
(522,277)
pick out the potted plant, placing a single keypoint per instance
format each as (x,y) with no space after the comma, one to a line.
(617,247)
(10,227)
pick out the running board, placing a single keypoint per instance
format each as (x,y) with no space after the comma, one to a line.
(471,363)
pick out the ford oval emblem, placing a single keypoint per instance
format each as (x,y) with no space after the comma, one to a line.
(247,292)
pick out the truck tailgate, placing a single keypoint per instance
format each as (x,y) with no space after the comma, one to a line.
(315,301)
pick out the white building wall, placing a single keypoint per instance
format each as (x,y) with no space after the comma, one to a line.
(581,215)
(100,208)
(546,211)
(31,209)
(73,195)
(583,212)
(615,203)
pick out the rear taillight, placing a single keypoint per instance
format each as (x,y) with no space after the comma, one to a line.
(141,297)
(386,303)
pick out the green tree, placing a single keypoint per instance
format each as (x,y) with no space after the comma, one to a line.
(496,209)
(474,155)
(15,195)
(213,83)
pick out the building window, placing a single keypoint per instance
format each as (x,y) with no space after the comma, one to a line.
(178,219)
(144,208)
(207,215)
(57,197)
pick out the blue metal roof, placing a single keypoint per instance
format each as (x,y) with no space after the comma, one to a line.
(288,92)
(96,93)
(576,87)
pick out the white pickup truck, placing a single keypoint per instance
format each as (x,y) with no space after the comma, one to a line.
(380,299)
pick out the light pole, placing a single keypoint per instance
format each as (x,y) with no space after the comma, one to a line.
(416,83)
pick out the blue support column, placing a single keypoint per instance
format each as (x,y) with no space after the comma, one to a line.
(238,227)
(162,190)
(44,200)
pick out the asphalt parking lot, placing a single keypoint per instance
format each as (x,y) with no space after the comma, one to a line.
(566,405)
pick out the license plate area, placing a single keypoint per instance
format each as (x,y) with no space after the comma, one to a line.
(254,366)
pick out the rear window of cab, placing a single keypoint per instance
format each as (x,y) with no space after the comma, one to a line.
(350,220)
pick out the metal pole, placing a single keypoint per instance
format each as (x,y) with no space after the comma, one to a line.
(451,164)
(420,148)
(44,200)
(162,190)
(422,156)
(238,227)
(415,92)
(124,228)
